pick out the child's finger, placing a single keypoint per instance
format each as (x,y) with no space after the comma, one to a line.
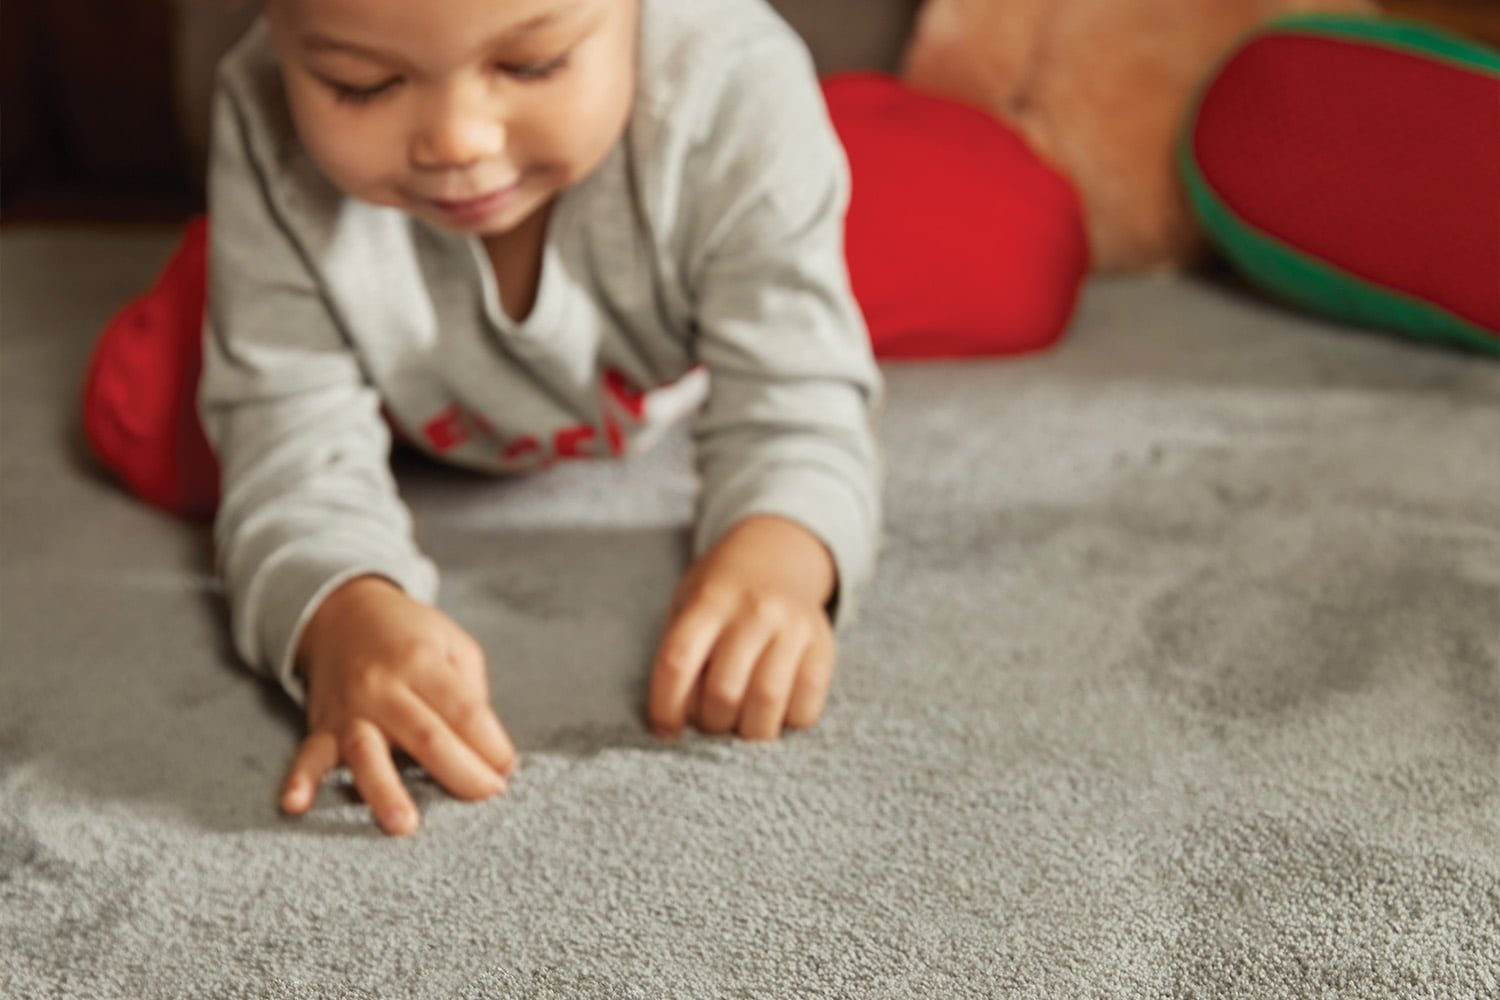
(695,701)
(679,661)
(318,755)
(473,720)
(727,676)
(368,755)
(765,702)
(421,732)
(814,678)
(467,657)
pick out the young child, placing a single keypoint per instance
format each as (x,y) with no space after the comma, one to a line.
(499,227)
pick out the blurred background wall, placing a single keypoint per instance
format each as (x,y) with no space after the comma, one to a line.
(89,125)
(105,102)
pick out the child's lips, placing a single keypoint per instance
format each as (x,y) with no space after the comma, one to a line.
(474,209)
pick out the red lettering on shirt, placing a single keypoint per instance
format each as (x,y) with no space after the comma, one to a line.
(627,395)
(520,446)
(570,441)
(616,436)
(624,407)
(447,430)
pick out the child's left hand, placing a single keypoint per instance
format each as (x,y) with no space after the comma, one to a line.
(749,646)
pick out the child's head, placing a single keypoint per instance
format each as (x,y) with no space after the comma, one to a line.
(411,104)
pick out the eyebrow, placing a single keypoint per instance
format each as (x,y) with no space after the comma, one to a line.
(315,42)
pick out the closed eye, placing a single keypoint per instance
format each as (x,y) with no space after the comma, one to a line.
(525,72)
(533,72)
(361,95)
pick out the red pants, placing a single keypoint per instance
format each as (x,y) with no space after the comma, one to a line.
(960,243)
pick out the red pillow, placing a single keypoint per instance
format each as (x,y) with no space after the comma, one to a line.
(960,240)
(139,397)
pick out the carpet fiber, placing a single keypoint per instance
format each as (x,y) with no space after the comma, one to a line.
(1180,677)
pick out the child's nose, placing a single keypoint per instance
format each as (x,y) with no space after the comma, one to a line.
(457,135)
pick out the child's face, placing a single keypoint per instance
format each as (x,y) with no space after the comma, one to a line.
(470,114)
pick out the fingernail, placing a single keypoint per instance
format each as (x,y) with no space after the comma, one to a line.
(394,819)
(499,786)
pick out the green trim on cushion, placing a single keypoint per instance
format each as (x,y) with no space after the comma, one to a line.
(1313,284)
(1299,277)
(1420,39)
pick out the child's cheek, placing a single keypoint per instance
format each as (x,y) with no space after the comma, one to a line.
(357,151)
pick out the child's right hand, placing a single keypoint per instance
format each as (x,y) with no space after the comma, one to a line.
(384,670)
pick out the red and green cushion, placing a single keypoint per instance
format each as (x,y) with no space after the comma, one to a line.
(1351,165)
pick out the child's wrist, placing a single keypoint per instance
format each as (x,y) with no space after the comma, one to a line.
(781,553)
(335,604)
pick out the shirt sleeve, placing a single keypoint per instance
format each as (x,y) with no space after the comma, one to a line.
(787,427)
(308,497)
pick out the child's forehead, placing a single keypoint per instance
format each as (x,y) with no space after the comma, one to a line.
(486,18)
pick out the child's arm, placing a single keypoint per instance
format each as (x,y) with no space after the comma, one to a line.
(310,506)
(789,511)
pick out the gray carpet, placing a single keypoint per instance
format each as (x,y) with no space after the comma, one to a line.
(1180,677)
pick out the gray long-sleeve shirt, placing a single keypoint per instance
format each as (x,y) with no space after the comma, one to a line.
(700,266)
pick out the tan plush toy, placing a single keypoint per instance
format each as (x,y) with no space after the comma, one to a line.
(1100,89)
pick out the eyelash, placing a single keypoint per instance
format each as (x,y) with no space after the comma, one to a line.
(359,95)
(535,73)
(538,71)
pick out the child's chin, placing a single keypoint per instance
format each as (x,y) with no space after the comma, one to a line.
(484,227)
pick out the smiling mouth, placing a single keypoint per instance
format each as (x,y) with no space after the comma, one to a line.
(469,204)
